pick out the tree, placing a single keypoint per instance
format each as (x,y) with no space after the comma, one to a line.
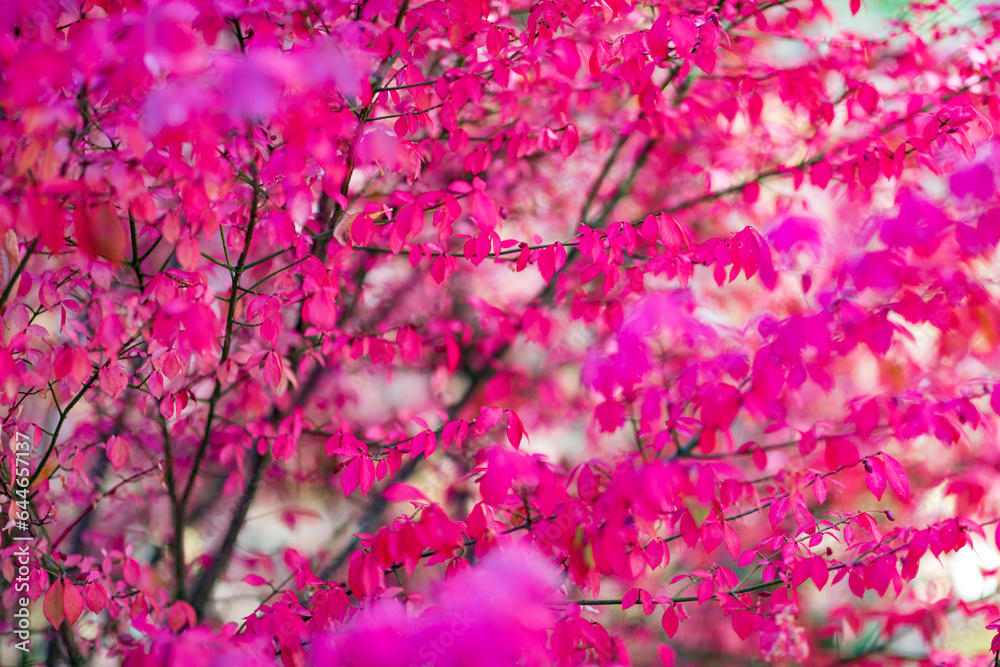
(475,333)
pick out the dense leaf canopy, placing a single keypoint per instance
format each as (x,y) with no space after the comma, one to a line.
(471,332)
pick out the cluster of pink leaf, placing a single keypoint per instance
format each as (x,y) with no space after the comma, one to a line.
(461,332)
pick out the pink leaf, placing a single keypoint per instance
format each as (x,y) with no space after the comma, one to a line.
(819,489)
(272,369)
(711,535)
(671,235)
(362,230)
(670,622)
(515,430)
(53,607)
(777,511)
(684,33)
(351,477)
(72,602)
(610,415)
(255,580)
(131,571)
(381,351)
(896,475)
(118,451)
(742,624)
(62,602)
(95,597)
(868,169)
(551,259)
(819,572)
(488,418)
(732,540)
(570,140)
(401,492)
(875,478)
(181,614)
(112,380)
(820,174)
(366,474)
(868,98)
